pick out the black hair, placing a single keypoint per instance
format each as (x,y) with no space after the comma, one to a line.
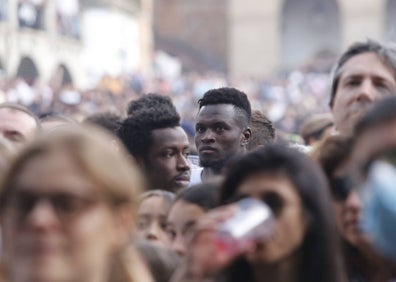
(204,195)
(263,131)
(228,95)
(382,111)
(148,113)
(319,261)
(106,120)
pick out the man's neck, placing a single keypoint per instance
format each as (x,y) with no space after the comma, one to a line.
(209,172)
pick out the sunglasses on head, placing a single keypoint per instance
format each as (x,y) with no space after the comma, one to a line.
(340,187)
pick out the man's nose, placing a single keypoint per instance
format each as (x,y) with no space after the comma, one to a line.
(183,163)
(367,91)
(153,232)
(208,137)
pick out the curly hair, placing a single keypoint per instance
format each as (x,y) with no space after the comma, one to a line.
(106,120)
(146,114)
(228,95)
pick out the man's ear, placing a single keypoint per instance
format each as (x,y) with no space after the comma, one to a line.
(246,136)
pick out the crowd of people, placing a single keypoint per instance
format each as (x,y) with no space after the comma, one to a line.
(287,98)
(136,195)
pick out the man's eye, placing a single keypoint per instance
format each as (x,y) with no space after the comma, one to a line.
(200,129)
(219,128)
(352,82)
(169,154)
(171,234)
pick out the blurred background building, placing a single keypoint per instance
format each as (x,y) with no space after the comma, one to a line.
(74,41)
(79,57)
(255,37)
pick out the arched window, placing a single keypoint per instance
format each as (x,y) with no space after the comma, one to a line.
(309,27)
(27,70)
(65,74)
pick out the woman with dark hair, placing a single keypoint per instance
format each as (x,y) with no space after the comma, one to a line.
(190,205)
(152,213)
(302,245)
(361,260)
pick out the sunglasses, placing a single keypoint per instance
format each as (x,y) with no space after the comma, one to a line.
(65,206)
(340,187)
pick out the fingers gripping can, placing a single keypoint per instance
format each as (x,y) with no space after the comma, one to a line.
(252,222)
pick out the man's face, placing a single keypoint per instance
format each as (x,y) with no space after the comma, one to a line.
(364,80)
(167,166)
(16,126)
(219,135)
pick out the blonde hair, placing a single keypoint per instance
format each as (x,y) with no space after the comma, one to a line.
(114,173)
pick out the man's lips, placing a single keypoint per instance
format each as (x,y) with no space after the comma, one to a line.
(207,149)
(182,177)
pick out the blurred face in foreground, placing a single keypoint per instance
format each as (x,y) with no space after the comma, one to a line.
(56,226)
(290,223)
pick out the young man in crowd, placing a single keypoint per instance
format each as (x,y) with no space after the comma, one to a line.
(221,130)
(365,73)
(153,135)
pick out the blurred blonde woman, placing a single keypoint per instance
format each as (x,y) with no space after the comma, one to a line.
(67,210)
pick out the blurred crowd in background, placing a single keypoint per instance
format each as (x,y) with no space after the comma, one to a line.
(286,97)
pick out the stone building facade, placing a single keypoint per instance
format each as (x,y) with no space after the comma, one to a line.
(257,37)
(37,40)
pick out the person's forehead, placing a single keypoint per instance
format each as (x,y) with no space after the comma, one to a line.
(170,135)
(154,205)
(16,116)
(217,112)
(367,63)
(54,172)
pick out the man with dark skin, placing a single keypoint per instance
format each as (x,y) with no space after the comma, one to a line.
(153,135)
(222,130)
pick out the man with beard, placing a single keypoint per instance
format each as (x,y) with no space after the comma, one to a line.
(153,136)
(365,73)
(222,130)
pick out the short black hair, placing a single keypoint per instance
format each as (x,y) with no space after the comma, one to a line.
(228,95)
(148,113)
(106,120)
